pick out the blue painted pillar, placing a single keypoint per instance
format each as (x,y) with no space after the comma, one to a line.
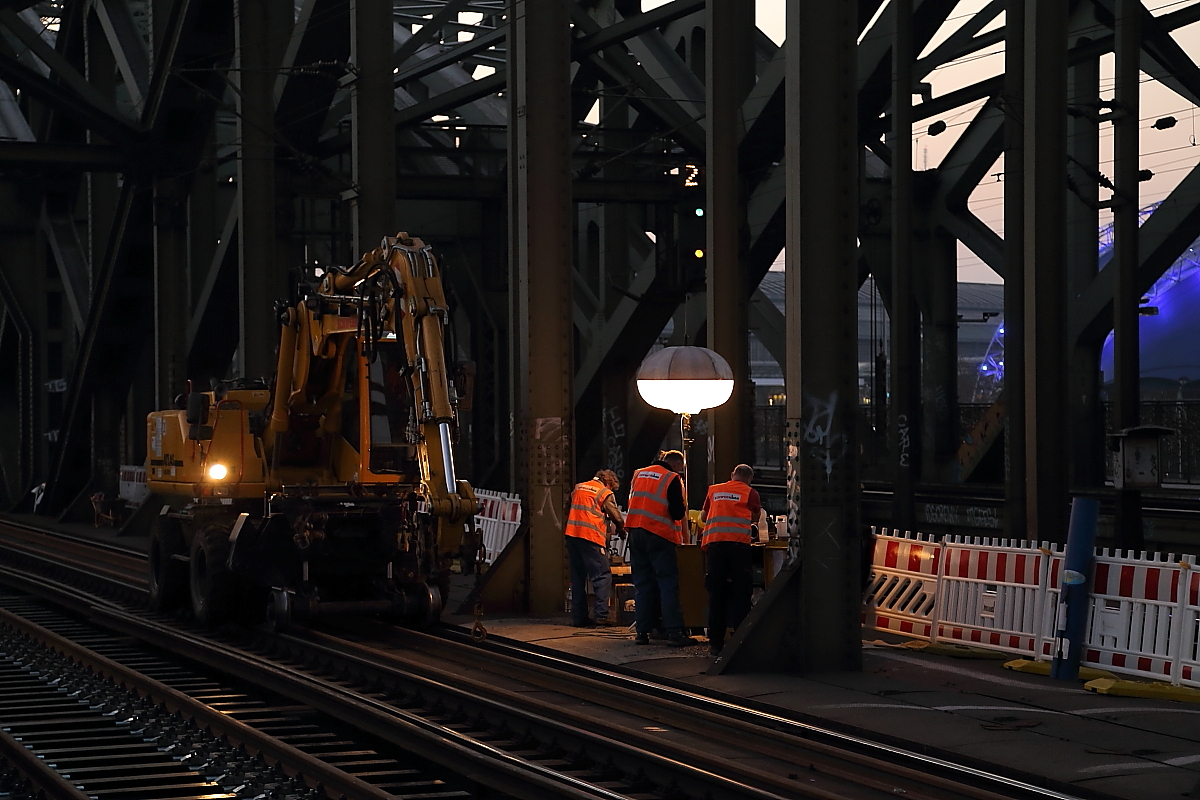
(1071,620)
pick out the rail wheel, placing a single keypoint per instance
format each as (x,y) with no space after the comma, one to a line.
(212,585)
(279,611)
(168,577)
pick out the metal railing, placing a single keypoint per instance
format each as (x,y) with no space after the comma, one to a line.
(1180,453)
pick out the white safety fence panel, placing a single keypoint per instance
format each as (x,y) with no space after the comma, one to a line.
(1189,640)
(902,588)
(1137,615)
(991,592)
(1143,614)
(132,487)
(498,521)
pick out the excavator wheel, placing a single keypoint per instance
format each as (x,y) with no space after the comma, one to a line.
(168,579)
(212,585)
(279,611)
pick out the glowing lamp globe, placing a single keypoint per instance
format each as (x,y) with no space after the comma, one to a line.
(685,380)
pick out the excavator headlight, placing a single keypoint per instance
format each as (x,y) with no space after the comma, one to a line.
(217,472)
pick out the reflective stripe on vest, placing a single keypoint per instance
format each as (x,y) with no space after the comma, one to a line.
(729,517)
(586,519)
(648,505)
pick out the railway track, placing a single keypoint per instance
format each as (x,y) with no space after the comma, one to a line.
(541,725)
(116,719)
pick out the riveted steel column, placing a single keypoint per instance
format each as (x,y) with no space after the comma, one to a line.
(808,619)
(905,319)
(937,253)
(1014,267)
(171,312)
(263,276)
(1045,269)
(540,220)
(1126,297)
(729,67)
(371,106)
(1086,414)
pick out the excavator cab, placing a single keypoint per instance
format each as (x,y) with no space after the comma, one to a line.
(392,445)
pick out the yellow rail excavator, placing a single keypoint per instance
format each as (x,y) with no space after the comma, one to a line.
(333,489)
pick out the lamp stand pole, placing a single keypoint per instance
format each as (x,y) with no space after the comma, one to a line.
(685,435)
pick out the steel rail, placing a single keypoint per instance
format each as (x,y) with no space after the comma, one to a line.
(615,735)
(581,727)
(681,707)
(233,661)
(291,759)
(602,681)
(51,785)
(120,568)
(473,760)
(82,541)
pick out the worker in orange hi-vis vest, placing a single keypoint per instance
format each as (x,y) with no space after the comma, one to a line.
(729,513)
(656,509)
(592,505)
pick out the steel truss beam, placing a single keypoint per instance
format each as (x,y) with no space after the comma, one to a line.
(666,121)
(198,34)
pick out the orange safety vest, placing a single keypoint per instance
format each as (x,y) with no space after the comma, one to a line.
(587,520)
(648,506)
(729,517)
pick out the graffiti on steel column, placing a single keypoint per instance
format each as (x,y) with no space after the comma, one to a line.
(905,441)
(969,516)
(793,493)
(550,506)
(827,445)
(614,441)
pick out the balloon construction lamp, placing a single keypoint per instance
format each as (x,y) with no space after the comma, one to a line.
(685,380)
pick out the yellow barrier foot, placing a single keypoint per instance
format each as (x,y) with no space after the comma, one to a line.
(1043,668)
(1153,691)
(955,650)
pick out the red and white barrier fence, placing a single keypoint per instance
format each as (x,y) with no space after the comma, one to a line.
(902,589)
(1000,594)
(992,593)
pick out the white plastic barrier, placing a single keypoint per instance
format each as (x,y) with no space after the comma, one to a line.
(1137,615)
(498,521)
(132,486)
(1189,660)
(1144,615)
(902,588)
(992,592)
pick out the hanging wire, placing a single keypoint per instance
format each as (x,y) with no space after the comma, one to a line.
(687,297)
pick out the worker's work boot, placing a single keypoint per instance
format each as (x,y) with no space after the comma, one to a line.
(681,640)
(642,638)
